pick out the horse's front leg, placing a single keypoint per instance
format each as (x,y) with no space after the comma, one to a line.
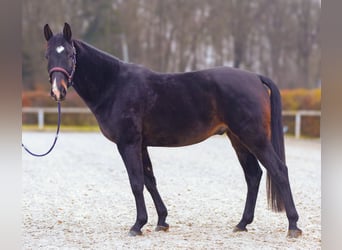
(151,185)
(132,157)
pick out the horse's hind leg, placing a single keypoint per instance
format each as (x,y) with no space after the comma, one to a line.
(253,175)
(151,185)
(261,147)
(279,174)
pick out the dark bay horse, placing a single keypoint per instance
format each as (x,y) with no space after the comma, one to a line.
(136,108)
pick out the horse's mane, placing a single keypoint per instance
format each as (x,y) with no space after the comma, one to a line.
(95,51)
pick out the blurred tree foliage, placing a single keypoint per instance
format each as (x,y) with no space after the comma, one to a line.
(277,38)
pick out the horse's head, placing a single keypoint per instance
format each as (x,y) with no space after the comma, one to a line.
(61,56)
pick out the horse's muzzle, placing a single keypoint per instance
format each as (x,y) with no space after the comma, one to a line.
(58,88)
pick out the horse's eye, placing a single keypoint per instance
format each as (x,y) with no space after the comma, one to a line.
(46,56)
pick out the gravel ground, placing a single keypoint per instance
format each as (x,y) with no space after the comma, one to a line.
(79,197)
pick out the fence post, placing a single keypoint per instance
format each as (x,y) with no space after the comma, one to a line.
(40,118)
(297,125)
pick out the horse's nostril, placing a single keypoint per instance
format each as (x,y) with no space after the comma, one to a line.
(63,94)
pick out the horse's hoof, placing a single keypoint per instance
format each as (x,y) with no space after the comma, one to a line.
(294,233)
(162,228)
(237,229)
(134,233)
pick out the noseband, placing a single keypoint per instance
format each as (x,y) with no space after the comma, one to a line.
(64,71)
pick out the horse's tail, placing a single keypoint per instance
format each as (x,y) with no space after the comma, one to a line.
(274,197)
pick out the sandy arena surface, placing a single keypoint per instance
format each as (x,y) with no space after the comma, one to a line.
(79,197)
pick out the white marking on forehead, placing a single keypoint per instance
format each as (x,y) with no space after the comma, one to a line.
(59,49)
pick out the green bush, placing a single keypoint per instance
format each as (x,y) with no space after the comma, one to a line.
(301,99)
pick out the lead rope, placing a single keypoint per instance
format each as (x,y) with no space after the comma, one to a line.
(54,142)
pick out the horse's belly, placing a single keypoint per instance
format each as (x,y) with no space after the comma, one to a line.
(167,138)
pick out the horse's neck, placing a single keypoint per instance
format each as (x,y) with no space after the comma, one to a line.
(95,73)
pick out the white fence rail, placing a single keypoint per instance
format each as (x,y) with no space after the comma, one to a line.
(42,111)
(298,118)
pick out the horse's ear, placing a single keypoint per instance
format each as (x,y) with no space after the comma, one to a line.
(47,32)
(67,32)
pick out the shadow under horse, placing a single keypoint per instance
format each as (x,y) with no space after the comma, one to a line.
(136,108)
